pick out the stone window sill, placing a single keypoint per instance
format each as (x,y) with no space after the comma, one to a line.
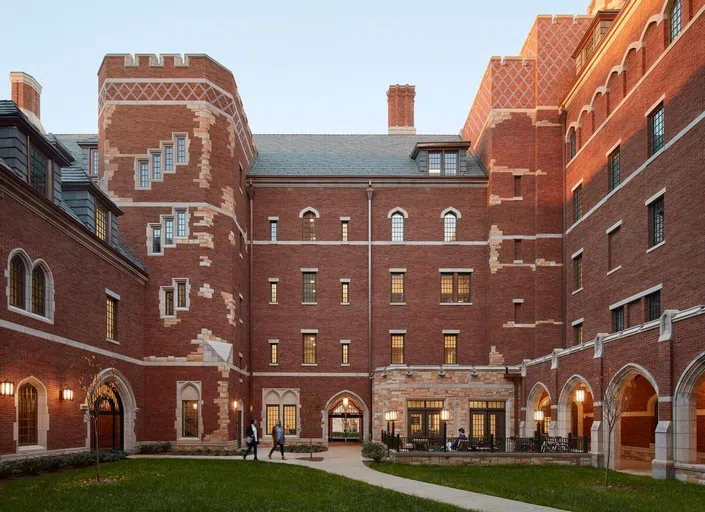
(455,303)
(310,303)
(110,340)
(655,247)
(29,314)
(615,269)
(31,449)
(273,303)
(397,303)
(273,364)
(309,364)
(344,364)
(344,303)
(577,291)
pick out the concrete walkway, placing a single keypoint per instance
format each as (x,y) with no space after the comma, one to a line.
(346,461)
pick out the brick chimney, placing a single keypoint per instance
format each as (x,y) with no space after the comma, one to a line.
(400,107)
(26,93)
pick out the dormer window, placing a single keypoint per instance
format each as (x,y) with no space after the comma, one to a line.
(445,161)
(94,162)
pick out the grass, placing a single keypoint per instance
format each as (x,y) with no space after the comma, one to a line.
(579,489)
(192,485)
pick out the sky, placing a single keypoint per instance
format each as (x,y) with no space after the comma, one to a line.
(301,66)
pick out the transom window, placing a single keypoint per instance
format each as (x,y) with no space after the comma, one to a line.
(578,272)
(156,166)
(613,165)
(675,21)
(38,171)
(309,226)
(450,349)
(450,227)
(487,418)
(656,130)
(397,349)
(309,348)
(578,203)
(424,417)
(455,287)
(17,282)
(273,230)
(446,161)
(309,285)
(27,415)
(653,306)
(397,287)
(111,311)
(38,291)
(397,227)
(656,222)
(101,223)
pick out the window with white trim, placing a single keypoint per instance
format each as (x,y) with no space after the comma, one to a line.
(675,21)
(273,352)
(656,222)
(94,162)
(168,231)
(181,225)
(168,158)
(143,173)
(111,317)
(397,348)
(273,230)
(397,227)
(156,166)
(450,227)
(180,150)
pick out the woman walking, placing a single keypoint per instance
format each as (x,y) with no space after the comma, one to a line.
(277,439)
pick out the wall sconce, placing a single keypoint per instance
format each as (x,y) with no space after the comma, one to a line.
(445,415)
(580,396)
(235,405)
(195,405)
(346,402)
(538,415)
(7,388)
(66,394)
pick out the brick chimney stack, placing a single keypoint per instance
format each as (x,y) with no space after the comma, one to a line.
(26,93)
(400,107)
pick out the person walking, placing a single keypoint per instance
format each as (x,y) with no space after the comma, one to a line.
(252,439)
(277,439)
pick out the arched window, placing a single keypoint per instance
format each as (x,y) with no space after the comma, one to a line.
(38,291)
(572,144)
(397,227)
(450,227)
(17,282)
(309,226)
(675,19)
(189,412)
(27,417)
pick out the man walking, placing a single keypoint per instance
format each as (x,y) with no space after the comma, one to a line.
(252,439)
(277,439)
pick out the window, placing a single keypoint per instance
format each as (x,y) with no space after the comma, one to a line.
(450,165)
(345,293)
(656,222)
(450,227)
(397,227)
(309,349)
(517,249)
(450,349)
(273,288)
(578,272)
(424,417)
(17,282)
(144,173)
(571,144)
(309,287)
(656,131)
(397,288)
(156,166)
(653,306)
(189,420)
(111,310)
(445,160)
(168,302)
(273,230)
(675,20)
(156,239)
(273,353)
(168,158)
(181,150)
(94,162)
(434,162)
(38,171)
(578,203)
(272,417)
(101,223)
(344,230)
(397,349)
(243,245)
(613,165)
(578,334)
(517,186)
(168,231)
(455,287)
(612,239)
(38,292)
(289,420)
(618,319)
(517,311)
(27,415)
(345,360)
(181,223)
(487,418)
(181,295)
(309,227)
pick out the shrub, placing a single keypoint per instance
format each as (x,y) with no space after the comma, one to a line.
(305,448)
(374,450)
(159,447)
(37,465)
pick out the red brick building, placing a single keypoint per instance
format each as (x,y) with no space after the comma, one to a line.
(324,280)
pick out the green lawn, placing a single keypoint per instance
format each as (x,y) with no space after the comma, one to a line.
(194,485)
(578,489)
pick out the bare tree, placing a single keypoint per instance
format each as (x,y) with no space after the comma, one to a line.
(96,392)
(615,403)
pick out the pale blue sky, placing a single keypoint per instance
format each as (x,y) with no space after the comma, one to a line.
(301,66)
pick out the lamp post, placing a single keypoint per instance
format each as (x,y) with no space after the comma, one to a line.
(445,416)
(538,418)
(393,418)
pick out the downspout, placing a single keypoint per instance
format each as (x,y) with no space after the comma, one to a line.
(564,308)
(370,193)
(251,197)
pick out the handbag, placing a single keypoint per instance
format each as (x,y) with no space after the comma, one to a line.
(249,440)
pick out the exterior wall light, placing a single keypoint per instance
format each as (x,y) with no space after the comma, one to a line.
(580,396)
(195,405)
(538,415)
(235,405)
(7,388)
(445,415)
(346,402)
(66,394)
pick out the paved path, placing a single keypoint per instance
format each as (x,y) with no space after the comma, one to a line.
(346,461)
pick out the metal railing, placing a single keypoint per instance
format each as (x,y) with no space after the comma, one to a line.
(488,443)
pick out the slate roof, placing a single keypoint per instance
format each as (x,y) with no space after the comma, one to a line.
(344,155)
(71,140)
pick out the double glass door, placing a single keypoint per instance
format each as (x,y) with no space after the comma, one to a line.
(425,418)
(487,417)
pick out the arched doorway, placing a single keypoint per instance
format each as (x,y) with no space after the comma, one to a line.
(538,411)
(575,408)
(123,409)
(345,418)
(689,414)
(109,426)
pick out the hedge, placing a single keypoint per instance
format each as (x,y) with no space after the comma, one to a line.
(50,463)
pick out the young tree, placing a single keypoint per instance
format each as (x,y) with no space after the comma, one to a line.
(95,392)
(615,403)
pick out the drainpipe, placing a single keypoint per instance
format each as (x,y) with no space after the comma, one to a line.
(251,196)
(564,297)
(370,193)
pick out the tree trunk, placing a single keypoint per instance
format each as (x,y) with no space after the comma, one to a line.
(97,450)
(607,457)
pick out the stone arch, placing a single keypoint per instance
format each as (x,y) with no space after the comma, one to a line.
(572,126)
(532,403)
(398,209)
(49,304)
(191,391)
(42,416)
(129,406)
(27,261)
(565,401)
(310,209)
(685,415)
(452,210)
(361,405)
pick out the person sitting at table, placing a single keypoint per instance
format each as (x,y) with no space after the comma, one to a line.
(461,437)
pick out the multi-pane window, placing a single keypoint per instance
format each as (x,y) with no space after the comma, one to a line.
(144,173)
(274,353)
(309,287)
(308,227)
(272,417)
(578,334)
(168,158)
(189,418)
(442,160)
(656,222)
(578,203)
(434,162)
(38,171)
(181,294)
(168,302)
(572,143)
(345,359)
(397,227)
(675,21)
(156,239)
(613,165)
(111,314)
(517,186)
(450,349)
(450,227)
(618,319)
(273,292)
(450,164)
(156,166)
(397,287)
(653,306)
(169,231)
(578,272)
(612,257)
(345,293)
(17,282)
(656,130)
(38,291)
(424,417)
(101,223)
(181,223)
(27,415)
(455,287)
(94,162)
(289,424)
(397,349)
(309,348)
(273,230)
(344,230)
(180,150)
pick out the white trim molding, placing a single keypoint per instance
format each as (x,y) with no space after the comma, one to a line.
(580,182)
(309,331)
(451,331)
(112,294)
(614,227)
(654,105)
(397,209)
(577,322)
(656,196)
(636,296)
(309,209)
(397,331)
(449,270)
(452,210)
(397,270)
(577,253)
